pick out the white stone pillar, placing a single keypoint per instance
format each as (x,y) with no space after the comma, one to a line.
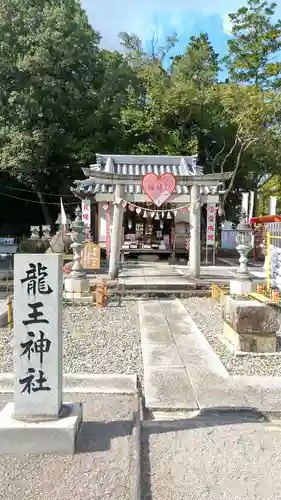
(37,421)
(195,222)
(38,336)
(116,234)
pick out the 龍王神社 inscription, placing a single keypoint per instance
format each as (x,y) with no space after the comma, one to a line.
(38,335)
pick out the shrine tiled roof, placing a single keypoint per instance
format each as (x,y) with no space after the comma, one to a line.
(139,165)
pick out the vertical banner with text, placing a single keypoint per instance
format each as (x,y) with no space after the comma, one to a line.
(86,218)
(211,224)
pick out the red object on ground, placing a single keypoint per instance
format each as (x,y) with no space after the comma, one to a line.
(66,270)
(264,219)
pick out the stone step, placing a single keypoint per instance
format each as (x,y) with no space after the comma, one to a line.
(106,463)
(160,293)
(154,285)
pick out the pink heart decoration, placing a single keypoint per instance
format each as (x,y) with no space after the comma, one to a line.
(158,188)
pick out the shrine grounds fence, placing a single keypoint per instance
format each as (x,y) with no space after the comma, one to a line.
(273,254)
(6,283)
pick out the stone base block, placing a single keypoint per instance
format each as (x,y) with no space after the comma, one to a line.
(77,298)
(78,286)
(148,258)
(26,438)
(3,318)
(250,342)
(238,287)
(247,315)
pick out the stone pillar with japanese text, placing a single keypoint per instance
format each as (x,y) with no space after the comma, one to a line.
(38,336)
(37,421)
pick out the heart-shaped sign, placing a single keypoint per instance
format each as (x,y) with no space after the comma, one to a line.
(158,188)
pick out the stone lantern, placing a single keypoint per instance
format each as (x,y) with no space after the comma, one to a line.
(243,240)
(243,282)
(76,285)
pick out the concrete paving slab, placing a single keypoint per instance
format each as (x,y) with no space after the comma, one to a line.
(187,343)
(157,335)
(213,456)
(216,392)
(161,355)
(103,467)
(190,341)
(263,393)
(168,389)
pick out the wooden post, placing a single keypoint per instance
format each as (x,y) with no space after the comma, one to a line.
(116,234)
(10,312)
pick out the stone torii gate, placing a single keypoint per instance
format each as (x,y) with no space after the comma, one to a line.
(118,182)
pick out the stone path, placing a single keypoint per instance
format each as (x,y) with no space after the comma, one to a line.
(221,274)
(151,275)
(220,443)
(161,274)
(172,349)
(182,372)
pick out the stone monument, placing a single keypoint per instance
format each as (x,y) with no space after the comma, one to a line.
(37,421)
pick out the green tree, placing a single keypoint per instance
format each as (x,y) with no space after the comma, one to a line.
(251,116)
(119,79)
(253,49)
(50,75)
(199,63)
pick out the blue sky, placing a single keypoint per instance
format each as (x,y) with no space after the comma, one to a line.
(142,17)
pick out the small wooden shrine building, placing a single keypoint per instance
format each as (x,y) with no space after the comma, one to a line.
(124,214)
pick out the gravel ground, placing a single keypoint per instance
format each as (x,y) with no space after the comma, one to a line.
(207,315)
(95,340)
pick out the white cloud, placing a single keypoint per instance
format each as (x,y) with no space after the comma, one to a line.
(226,24)
(110,17)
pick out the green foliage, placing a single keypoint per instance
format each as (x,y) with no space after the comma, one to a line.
(200,63)
(255,44)
(272,187)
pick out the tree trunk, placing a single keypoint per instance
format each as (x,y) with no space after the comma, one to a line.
(44,207)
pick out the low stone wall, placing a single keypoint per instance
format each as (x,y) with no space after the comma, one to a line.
(250,325)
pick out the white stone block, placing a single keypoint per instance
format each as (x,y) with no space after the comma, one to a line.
(240,287)
(76,285)
(49,437)
(38,335)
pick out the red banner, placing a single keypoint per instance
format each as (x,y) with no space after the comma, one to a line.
(108,235)
(211,224)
